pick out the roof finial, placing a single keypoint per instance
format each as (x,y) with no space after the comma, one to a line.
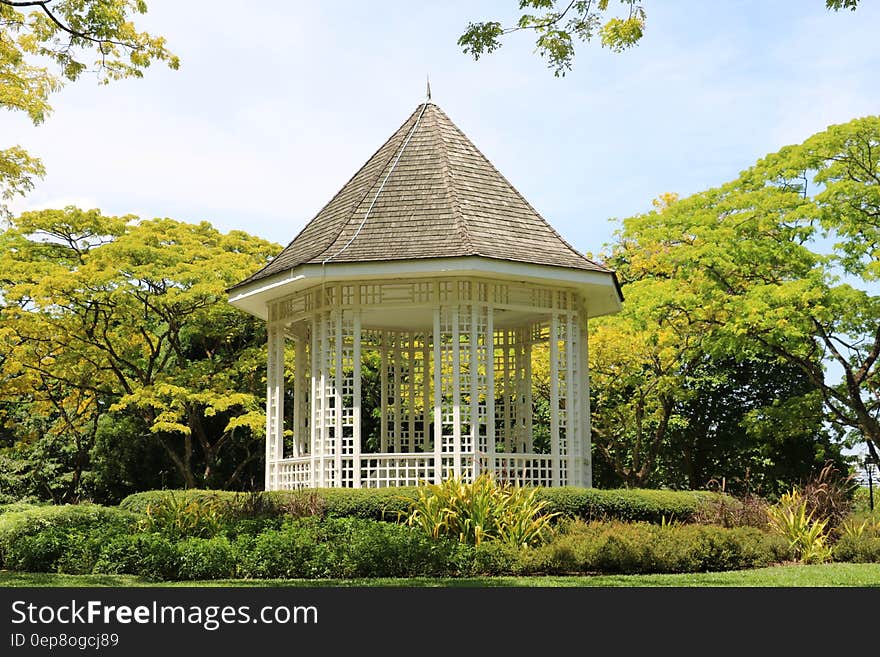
(428,78)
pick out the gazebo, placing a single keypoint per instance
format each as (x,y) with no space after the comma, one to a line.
(415,306)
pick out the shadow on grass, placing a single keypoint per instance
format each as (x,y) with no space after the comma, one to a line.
(835,574)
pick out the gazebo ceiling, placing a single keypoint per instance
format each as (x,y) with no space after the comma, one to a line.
(427,202)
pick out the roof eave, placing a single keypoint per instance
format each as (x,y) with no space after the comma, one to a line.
(600,288)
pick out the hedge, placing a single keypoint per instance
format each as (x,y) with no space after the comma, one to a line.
(388,503)
(629,504)
(618,547)
(64,538)
(88,538)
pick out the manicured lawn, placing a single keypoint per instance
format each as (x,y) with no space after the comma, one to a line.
(837,574)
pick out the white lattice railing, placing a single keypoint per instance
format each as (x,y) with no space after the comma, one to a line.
(521,469)
(381,470)
(412,469)
(293,473)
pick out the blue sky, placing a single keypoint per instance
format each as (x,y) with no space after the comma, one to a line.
(276,105)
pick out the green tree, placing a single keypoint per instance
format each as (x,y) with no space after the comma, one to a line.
(755,425)
(106,315)
(757,265)
(558,25)
(45,43)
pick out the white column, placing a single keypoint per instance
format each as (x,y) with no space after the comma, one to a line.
(426,392)
(299,392)
(527,357)
(586,437)
(274,403)
(554,396)
(411,390)
(438,395)
(572,433)
(474,366)
(325,358)
(356,402)
(507,379)
(398,388)
(383,393)
(456,392)
(490,388)
(316,400)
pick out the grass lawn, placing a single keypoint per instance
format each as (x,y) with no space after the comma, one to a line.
(835,574)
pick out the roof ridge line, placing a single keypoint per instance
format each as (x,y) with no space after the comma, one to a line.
(454,203)
(345,222)
(521,197)
(378,177)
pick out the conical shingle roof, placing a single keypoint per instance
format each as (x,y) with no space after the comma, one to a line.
(428,192)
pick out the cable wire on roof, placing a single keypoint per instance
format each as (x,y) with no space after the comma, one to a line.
(381,187)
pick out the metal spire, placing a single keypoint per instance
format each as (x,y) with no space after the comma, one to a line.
(428,78)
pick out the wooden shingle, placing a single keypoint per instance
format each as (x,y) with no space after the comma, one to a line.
(443,199)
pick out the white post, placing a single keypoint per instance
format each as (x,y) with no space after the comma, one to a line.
(572,448)
(426,392)
(474,366)
(456,392)
(438,395)
(356,402)
(316,405)
(586,437)
(383,393)
(527,356)
(299,375)
(411,392)
(554,396)
(508,415)
(398,388)
(274,403)
(490,387)
(325,398)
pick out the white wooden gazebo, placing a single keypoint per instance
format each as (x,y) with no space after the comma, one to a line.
(414,305)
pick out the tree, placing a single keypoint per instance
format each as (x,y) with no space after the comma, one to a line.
(44,43)
(756,425)
(112,315)
(757,265)
(557,25)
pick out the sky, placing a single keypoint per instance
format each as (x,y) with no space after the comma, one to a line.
(276,104)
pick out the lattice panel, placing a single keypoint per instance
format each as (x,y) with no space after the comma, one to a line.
(379,471)
(448,391)
(480,362)
(524,469)
(293,474)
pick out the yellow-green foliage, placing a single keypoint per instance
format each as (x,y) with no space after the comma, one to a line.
(182,517)
(483,510)
(807,536)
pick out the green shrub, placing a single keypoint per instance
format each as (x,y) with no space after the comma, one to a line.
(12,507)
(346,548)
(368,503)
(497,558)
(59,538)
(393,503)
(206,558)
(857,549)
(859,539)
(178,516)
(629,504)
(617,547)
(479,511)
(383,549)
(138,502)
(152,556)
(807,536)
